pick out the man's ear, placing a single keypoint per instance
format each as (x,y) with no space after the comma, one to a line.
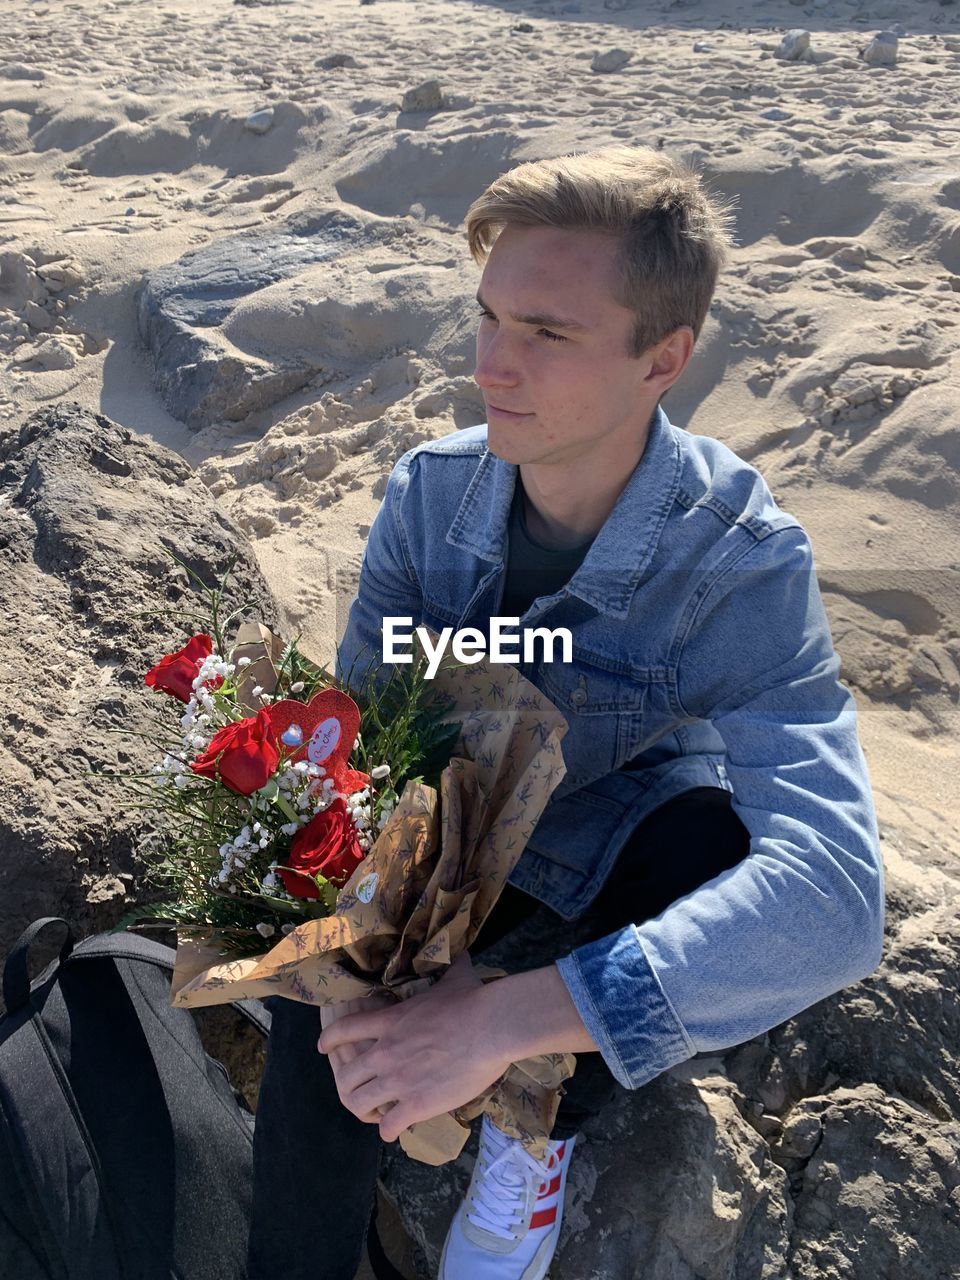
(668,359)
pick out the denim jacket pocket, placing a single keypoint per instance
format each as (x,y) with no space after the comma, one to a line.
(604,713)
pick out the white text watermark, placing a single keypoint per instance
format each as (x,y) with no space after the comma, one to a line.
(470,644)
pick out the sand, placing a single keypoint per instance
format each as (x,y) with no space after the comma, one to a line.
(830,359)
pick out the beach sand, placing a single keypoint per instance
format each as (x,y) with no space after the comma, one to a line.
(831,359)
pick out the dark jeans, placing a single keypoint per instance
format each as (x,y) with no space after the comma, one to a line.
(315,1165)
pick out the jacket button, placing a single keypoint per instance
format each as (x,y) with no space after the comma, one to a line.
(578,697)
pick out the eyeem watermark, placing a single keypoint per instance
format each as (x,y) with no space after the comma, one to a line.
(470,644)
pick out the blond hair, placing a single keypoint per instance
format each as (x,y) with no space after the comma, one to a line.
(674,235)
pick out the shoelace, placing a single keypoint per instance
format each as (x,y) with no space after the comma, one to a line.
(500,1201)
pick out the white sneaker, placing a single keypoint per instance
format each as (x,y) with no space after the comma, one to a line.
(509,1223)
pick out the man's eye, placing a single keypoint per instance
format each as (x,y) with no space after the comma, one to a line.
(554,337)
(486,315)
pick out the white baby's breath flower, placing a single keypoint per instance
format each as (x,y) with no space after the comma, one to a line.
(264,842)
(287,928)
(265,930)
(380,771)
(243,662)
(290,828)
(302,766)
(269,881)
(180,780)
(297,687)
(256,691)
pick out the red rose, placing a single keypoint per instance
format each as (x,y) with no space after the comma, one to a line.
(327,846)
(242,755)
(176,673)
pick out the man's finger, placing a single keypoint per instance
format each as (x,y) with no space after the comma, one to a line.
(351,1029)
(370,1098)
(400,1117)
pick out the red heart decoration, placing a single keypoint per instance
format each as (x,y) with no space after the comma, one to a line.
(321,731)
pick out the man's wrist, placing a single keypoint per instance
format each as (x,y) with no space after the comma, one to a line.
(533,1013)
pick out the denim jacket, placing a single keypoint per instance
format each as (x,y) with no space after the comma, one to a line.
(701,657)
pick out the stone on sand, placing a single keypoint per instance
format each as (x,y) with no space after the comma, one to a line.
(260,121)
(427,96)
(610,60)
(881,51)
(794,46)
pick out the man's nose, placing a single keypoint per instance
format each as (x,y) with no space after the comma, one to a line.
(496,362)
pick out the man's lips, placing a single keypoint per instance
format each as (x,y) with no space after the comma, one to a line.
(507,413)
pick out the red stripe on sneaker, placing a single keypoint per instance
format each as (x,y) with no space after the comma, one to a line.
(543,1218)
(551,1189)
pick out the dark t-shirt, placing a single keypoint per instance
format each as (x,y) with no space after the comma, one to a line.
(533,570)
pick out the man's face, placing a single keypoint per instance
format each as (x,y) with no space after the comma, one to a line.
(553,350)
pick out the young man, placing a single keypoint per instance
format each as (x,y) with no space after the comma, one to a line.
(714,838)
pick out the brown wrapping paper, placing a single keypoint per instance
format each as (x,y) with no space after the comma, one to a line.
(421,895)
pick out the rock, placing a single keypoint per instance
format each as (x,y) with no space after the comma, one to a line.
(50,354)
(334,60)
(36,317)
(86,510)
(523,28)
(609,61)
(427,96)
(19,281)
(794,46)
(881,51)
(260,121)
(180,306)
(701,46)
(775,113)
(57,276)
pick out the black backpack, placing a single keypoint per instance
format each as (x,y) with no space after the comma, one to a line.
(125,1153)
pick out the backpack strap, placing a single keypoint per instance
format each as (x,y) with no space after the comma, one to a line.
(16,974)
(131,946)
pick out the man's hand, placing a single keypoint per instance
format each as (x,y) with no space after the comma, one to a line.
(420,1058)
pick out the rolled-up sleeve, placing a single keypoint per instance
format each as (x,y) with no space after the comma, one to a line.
(802,915)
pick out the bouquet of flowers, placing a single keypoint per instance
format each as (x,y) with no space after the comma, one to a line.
(268,801)
(363,837)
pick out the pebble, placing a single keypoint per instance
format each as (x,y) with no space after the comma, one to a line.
(775,113)
(259,121)
(334,60)
(427,96)
(701,46)
(523,28)
(610,60)
(794,45)
(881,51)
(36,317)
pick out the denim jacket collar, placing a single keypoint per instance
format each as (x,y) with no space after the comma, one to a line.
(637,520)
